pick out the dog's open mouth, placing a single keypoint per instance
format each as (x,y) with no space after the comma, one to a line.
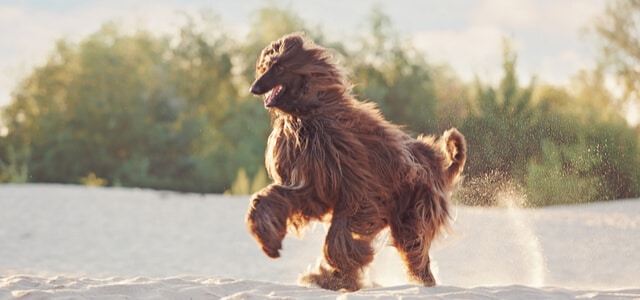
(271,95)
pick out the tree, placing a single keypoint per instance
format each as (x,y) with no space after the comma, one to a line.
(13,168)
(619,31)
(394,75)
(503,130)
(111,106)
(565,175)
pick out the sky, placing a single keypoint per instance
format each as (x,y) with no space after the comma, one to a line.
(548,35)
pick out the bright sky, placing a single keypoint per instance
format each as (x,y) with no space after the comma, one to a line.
(547,34)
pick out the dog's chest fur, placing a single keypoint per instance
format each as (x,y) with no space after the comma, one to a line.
(347,147)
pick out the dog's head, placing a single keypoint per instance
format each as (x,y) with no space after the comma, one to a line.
(292,74)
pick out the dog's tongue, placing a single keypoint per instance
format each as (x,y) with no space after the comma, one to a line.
(271,95)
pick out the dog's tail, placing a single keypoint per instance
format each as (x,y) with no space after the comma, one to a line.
(456,149)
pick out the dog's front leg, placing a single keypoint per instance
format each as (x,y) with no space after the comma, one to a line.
(267,218)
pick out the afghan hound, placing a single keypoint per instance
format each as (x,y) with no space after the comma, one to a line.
(335,159)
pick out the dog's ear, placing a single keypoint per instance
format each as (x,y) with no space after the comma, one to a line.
(290,45)
(281,49)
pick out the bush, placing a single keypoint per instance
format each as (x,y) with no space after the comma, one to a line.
(565,175)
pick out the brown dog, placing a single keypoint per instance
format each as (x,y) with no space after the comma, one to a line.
(333,158)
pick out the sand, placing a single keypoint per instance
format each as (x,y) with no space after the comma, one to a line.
(72,242)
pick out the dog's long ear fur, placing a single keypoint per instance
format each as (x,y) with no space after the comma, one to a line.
(300,53)
(281,49)
(291,44)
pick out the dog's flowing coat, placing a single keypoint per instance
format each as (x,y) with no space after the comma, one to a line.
(333,158)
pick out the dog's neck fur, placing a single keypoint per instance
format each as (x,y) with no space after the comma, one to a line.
(333,108)
(320,103)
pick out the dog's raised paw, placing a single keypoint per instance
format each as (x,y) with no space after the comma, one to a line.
(272,252)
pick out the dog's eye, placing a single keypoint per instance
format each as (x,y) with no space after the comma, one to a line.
(279,68)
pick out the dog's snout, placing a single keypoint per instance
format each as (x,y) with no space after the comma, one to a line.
(256,89)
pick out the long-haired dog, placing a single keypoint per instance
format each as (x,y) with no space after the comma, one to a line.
(333,158)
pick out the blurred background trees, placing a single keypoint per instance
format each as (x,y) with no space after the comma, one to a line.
(173,111)
(619,31)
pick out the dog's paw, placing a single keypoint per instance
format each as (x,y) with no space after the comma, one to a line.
(266,227)
(332,280)
(273,252)
(267,235)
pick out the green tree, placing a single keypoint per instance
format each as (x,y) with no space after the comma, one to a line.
(599,162)
(394,75)
(110,107)
(618,29)
(565,175)
(503,130)
(13,168)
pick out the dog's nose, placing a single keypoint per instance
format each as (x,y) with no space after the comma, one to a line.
(256,90)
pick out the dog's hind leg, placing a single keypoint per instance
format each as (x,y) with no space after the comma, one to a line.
(412,233)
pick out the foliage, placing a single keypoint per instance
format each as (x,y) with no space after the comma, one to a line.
(15,169)
(504,127)
(561,148)
(394,76)
(601,165)
(242,185)
(127,108)
(93,180)
(564,176)
(618,29)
